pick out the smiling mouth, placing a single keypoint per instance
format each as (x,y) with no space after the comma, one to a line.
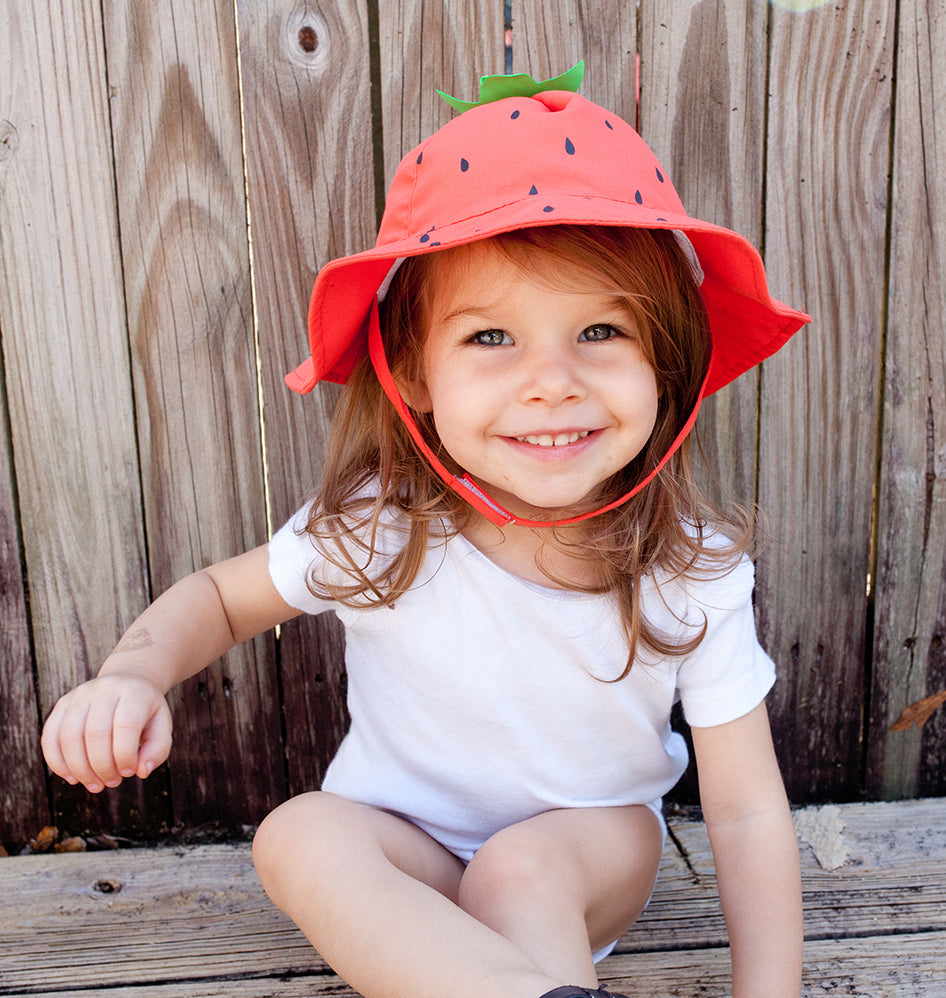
(559,440)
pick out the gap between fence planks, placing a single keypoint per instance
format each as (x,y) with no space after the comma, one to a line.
(194,921)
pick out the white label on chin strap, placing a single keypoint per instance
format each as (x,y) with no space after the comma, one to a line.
(471,486)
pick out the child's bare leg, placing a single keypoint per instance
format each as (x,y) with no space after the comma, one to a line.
(565,884)
(376,897)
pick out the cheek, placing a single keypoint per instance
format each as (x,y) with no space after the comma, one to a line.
(643,403)
(454,413)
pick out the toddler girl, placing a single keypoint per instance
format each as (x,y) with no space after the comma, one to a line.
(528,576)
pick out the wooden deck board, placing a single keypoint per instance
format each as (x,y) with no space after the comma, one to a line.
(194,921)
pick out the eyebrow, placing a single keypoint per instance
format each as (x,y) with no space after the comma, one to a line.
(471,310)
(612,302)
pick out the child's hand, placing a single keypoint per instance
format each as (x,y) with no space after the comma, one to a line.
(107,729)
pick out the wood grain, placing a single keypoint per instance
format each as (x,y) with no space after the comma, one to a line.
(702,110)
(181,203)
(162,921)
(138,274)
(826,217)
(310,174)
(309,157)
(703,113)
(880,967)
(909,660)
(550,36)
(24,807)
(66,359)
(447,45)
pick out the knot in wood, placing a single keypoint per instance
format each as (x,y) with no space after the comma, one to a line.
(306,41)
(9,139)
(308,38)
(107,885)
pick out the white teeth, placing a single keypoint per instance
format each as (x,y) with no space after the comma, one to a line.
(547,440)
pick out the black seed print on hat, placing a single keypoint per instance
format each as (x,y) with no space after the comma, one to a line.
(660,176)
(548,207)
(514,115)
(569,147)
(420,156)
(425,237)
(608,124)
(638,198)
(464,165)
(532,190)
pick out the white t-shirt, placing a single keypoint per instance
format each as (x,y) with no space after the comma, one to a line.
(477,700)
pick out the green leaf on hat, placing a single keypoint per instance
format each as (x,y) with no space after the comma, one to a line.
(518,85)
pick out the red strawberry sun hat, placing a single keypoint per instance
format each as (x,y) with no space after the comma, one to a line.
(528,154)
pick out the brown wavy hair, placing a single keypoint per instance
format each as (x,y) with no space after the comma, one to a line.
(373,465)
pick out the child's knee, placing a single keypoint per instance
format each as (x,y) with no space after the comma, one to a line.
(282,832)
(515,862)
(269,841)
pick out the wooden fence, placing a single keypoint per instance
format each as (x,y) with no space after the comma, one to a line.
(172,175)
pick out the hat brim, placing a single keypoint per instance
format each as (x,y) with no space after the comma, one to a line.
(747,325)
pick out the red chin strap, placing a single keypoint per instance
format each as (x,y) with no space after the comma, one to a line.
(465,486)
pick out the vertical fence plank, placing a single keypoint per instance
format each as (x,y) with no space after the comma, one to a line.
(550,36)
(179,172)
(66,360)
(24,808)
(309,149)
(703,112)
(828,138)
(910,623)
(446,45)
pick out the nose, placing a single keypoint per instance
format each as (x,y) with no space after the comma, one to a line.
(550,375)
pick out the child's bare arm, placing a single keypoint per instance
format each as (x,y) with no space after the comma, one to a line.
(118,724)
(756,853)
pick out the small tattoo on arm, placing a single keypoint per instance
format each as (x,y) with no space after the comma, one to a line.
(135,640)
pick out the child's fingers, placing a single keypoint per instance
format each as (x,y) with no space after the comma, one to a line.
(155,741)
(51,744)
(135,723)
(72,745)
(130,717)
(100,738)
(93,734)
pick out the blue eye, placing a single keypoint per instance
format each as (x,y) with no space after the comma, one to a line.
(490,338)
(598,332)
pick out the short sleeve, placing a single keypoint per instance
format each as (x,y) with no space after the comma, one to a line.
(291,559)
(729,673)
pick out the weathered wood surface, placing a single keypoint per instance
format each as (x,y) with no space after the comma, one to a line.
(194,921)
(830,78)
(154,154)
(703,112)
(702,109)
(550,36)
(309,135)
(910,625)
(65,357)
(175,112)
(24,806)
(422,43)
